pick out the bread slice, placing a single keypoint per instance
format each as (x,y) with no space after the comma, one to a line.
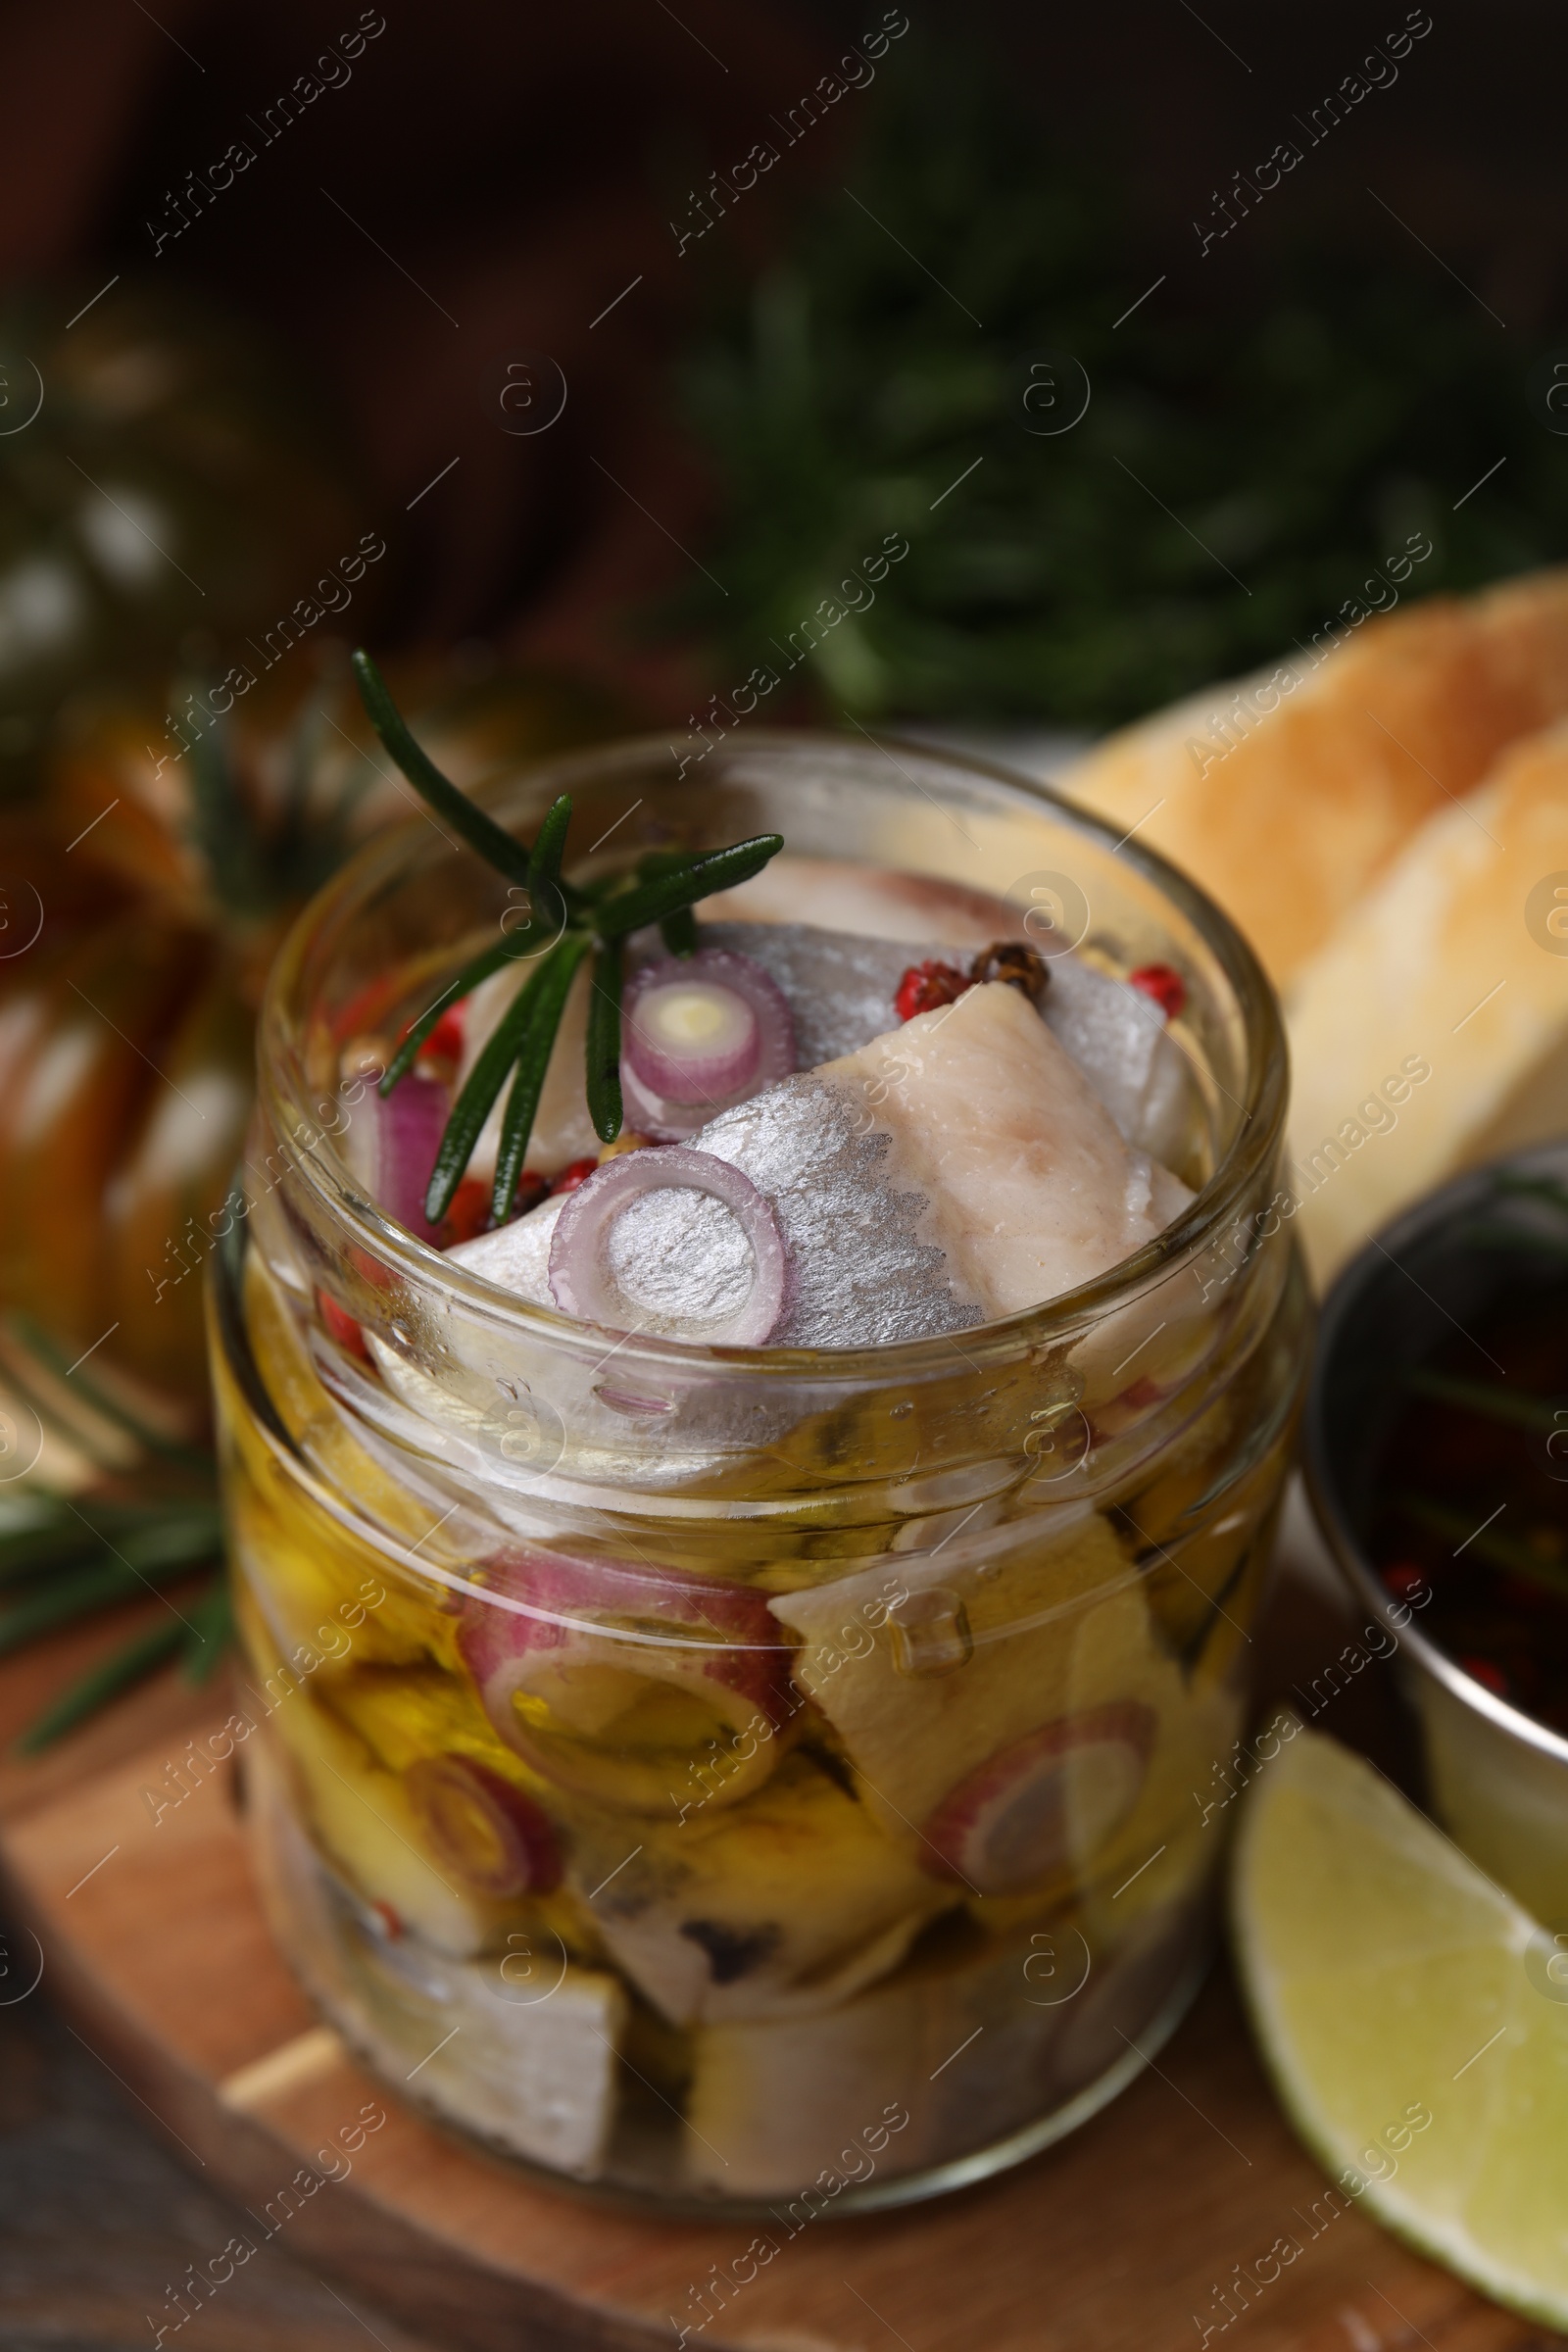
(1288,793)
(1431,1032)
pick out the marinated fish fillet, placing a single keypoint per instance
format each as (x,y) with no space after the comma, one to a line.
(790,1902)
(1022,1723)
(1031,1190)
(522,2046)
(953,2052)
(958,1169)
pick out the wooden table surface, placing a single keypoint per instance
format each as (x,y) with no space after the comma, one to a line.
(124,2165)
(100,2211)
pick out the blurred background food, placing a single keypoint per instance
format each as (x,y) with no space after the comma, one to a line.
(1025,375)
(813,271)
(990,373)
(168,855)
(1289,792)
(1156,498)
(152,878)
(166,480)
(1454,956)
(1388,824)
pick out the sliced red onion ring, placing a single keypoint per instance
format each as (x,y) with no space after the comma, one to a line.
(408,1125)
(489,1832)
(580,1279)
(584,1638)
(691,1036)
(1050,1800)
(698,1032)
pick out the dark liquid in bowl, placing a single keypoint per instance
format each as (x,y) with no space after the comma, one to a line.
(1470,1494)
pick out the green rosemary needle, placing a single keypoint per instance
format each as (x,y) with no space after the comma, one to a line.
(567,922)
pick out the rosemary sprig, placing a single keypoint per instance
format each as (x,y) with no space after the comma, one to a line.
(1486,1397)
(534,1060)
(621,911)
(1499,1550)
(1549,1189)
(679,930)
(565,922)
(41,1345)
(210,1630)
(1499,1233)
(65,1558)
(479,831)
(512,950)
(602,1074)
(137,1658)
(260,856)
(67,1595)
(524,1037)
(61,1562)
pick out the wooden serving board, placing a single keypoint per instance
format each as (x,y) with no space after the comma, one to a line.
(152,1941)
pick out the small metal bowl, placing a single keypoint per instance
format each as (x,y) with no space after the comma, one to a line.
(1496,1779)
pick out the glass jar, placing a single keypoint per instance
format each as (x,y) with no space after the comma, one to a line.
(750,1778)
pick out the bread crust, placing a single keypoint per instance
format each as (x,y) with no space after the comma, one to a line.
(1449,963)
(1333,765)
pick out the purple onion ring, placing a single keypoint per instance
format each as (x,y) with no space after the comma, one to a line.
(407,1126)
(672,1094)
(579,1282)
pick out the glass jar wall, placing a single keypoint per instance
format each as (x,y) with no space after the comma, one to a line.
(749,1777)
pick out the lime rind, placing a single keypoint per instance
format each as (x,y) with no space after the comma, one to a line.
(1384,1975)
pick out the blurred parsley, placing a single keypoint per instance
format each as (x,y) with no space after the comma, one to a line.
(840,396)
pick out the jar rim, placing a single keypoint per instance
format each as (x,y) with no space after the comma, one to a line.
(287,1096)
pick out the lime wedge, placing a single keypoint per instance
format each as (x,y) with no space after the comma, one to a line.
(1414,2020)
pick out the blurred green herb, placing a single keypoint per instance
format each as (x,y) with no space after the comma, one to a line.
(1499,1550)
(1234,481)
(1517,1236)
(257,859)
(59,1562)
(63,1559)
(1489,1398)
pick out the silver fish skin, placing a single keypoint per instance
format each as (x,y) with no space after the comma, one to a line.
(859,1275)
(841,990)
